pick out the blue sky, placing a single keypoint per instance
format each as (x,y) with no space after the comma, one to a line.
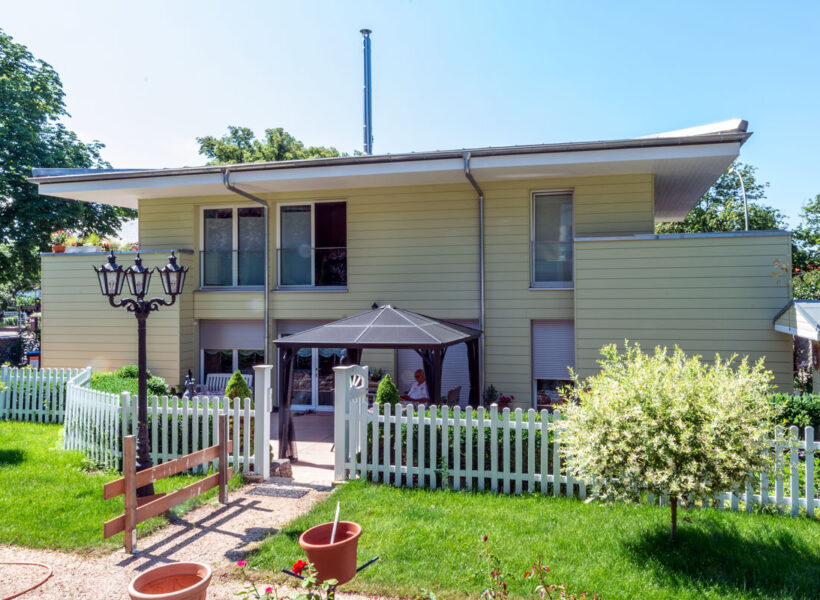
(147,78)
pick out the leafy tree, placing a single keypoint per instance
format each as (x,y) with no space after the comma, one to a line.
(721,207)
(806,284)
(237,387)
(807,237)
(31,135)
(387,393)
(668,424)
(240,145)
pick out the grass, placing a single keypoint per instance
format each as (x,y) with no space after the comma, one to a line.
(49,498)
(432,539)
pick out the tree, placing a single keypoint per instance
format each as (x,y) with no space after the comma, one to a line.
(668,424)
(237,387)
(241,146)
(807,237)
(721,207)
(31,135)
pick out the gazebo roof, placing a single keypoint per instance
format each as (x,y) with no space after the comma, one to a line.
(382,327)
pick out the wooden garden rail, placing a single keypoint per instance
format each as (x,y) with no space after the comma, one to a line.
(138,510)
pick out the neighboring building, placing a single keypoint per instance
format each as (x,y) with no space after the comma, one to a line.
(571,261)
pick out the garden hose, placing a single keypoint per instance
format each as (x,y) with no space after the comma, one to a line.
(36,585)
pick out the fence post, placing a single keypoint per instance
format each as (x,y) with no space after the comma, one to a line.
(223,459)
(4,378)
(340,406)
(129,473)
(261,425)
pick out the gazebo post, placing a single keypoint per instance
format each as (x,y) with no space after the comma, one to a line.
(472,364)
(287,449)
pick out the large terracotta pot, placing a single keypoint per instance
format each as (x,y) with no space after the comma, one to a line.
(177,581)
(57,248)
(337,560)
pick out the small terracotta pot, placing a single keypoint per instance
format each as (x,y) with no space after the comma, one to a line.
(337,560)
(177,581)
(57,248)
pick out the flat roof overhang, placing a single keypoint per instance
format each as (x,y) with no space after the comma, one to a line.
(683,168)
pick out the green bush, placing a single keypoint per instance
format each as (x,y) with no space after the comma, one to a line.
(387,393)
(801,411)
(237,387)
(132,372)
(113,383)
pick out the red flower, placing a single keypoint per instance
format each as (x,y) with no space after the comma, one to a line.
(298,566)
(268,590)
(484,539)
(241,563)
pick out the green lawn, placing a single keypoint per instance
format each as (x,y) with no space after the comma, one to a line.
(432,539)
(48,498)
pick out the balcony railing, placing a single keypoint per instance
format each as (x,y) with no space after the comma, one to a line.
(551,264)
(232,268)
(312,267)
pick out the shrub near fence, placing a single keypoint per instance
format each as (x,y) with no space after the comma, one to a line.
(36,395)
(404,447)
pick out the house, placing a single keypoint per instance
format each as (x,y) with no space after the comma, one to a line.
(549,249)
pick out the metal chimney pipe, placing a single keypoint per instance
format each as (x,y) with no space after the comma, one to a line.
(368,94)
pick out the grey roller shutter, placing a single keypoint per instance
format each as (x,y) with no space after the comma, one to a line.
(553,349)
(244,335)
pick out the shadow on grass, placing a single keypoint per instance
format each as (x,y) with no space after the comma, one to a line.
(11,457)
(768,561)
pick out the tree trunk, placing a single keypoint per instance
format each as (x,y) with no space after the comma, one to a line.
(674,504)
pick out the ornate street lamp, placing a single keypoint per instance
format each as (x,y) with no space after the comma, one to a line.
(111,277)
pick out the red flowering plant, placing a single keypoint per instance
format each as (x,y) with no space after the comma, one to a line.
(59,237)
(310,589)
(498,578)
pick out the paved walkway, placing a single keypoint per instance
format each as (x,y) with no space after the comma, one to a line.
(314,445)
(215,534)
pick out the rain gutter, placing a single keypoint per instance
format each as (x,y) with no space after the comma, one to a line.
(481,308)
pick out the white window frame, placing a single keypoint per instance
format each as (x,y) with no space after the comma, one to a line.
(234,246)
(312,204)
(550,285)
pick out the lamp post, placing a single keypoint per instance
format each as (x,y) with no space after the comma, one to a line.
(743,190)
(111,277)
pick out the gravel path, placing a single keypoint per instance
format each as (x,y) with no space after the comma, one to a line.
(214,534)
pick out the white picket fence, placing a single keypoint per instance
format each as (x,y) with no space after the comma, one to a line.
(96,422)
(511,452)
(36,395)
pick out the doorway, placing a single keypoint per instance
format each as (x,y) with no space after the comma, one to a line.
(313,378)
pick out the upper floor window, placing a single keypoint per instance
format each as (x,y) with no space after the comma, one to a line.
(551,254)
(313,245)
(233,247)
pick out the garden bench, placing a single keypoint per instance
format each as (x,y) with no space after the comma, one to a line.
(215,384)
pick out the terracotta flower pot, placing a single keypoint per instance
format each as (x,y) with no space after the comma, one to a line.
(177,581)
(337,560)
(57,248)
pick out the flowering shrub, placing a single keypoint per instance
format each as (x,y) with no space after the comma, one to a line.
(311,587)
(668,424)
(58,238)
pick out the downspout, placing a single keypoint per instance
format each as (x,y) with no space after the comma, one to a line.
(481,309)
(226,180)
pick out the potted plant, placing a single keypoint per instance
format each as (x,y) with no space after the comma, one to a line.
(504,401)
(58,239)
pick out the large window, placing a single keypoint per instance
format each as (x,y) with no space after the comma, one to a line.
(313,245)
(552,240)
(233,247)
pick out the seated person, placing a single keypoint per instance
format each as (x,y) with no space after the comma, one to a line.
(418,391)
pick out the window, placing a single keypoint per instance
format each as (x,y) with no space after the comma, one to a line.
(233,247)
(552,240)
(553,352)
(313,245)
(228,360)
(228,345)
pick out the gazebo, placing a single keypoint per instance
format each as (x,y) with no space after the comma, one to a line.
(383,327)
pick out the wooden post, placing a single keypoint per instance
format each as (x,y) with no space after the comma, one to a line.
(223,459)
(129,473)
